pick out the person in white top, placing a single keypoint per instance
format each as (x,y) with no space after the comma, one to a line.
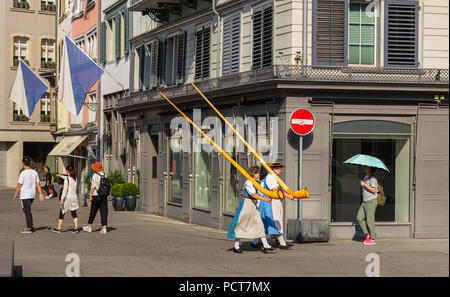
(27,184)
(272,212)
(69,199)
(247,222)
(98,202)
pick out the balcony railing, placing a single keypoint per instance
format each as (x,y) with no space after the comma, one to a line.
(301,74)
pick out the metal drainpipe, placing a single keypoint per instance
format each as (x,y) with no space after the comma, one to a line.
(305,32)
(218,37)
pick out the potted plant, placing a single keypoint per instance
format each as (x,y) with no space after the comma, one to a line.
(27,5)
(116,177)
(130,192)
(16,3)
(117,197)
(16,62)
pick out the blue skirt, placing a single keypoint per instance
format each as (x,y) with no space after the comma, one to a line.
(265,209)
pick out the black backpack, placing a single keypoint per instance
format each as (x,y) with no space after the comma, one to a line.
(104,187)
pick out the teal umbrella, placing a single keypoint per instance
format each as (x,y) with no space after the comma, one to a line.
(366,160)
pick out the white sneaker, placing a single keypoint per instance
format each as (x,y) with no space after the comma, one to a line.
(103,231)
(87,229)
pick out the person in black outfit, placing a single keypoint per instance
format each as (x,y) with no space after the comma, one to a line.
(98,202)
(49,189)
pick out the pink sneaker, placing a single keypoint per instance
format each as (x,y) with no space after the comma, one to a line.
(369,241)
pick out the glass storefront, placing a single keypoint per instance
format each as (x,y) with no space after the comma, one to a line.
(393,150)
(202,174)
(232,192)
(176,167)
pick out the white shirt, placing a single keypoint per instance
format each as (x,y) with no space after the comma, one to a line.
(70,187)
(96,182)
(28,179)
(271,182)
(371,181)
(249,187)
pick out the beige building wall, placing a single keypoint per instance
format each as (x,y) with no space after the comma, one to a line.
(20,22)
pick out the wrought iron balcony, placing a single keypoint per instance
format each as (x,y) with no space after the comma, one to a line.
(303,74)
(159,10)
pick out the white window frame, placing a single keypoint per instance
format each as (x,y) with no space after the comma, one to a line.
(21,46)
(92,43)
(45,48)
(375,45)
(45,105)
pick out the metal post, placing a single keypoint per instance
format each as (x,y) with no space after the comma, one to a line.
(300,159)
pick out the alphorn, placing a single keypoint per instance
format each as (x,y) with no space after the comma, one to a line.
(301,194)
(270,194)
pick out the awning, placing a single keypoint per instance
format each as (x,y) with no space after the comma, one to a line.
(68,145)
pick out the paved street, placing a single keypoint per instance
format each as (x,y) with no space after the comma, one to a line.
(141,244)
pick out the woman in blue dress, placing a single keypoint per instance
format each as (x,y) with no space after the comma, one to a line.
(272,211)
(247,222)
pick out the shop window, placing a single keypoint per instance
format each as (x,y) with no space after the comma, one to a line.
(202,174)
(232,191)
(393,150)
(176,167)
(361,35)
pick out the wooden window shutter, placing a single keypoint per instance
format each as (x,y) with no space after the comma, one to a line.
(103,43)
(161,63)
(180,57)
(401,34)
(154,64)
(231,45)
(202,52)
(262,37)
(126,26)
(147,66)
(118,35)
(141,67)
(330,29)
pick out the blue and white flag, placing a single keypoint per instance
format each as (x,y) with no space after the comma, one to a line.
(78,75)
(27,89)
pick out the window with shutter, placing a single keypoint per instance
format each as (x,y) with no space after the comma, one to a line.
(147,66)
(117,35)
(262,37)
(401,34)
(141,53)
(231,45)
(180,57)
(161,63)
(126,25)
(154,45)
(330,32)
(202,52)
(103,43)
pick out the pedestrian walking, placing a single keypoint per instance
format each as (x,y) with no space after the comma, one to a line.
(272,212)
(247,221)
(49,189)
(98,196)
(366,212)
(27,184)
(69,199)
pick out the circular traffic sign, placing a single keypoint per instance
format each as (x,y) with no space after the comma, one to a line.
(302,121)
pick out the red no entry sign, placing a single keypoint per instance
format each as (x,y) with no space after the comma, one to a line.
(302,121)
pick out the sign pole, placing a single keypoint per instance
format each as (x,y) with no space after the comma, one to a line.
(300,159)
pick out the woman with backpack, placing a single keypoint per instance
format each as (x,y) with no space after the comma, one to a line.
(98,197)
(366,212)
(69,199)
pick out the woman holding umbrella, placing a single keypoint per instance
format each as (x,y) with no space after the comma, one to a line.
(369,185)
(366,212)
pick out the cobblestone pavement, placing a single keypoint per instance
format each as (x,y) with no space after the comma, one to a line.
(141,244)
